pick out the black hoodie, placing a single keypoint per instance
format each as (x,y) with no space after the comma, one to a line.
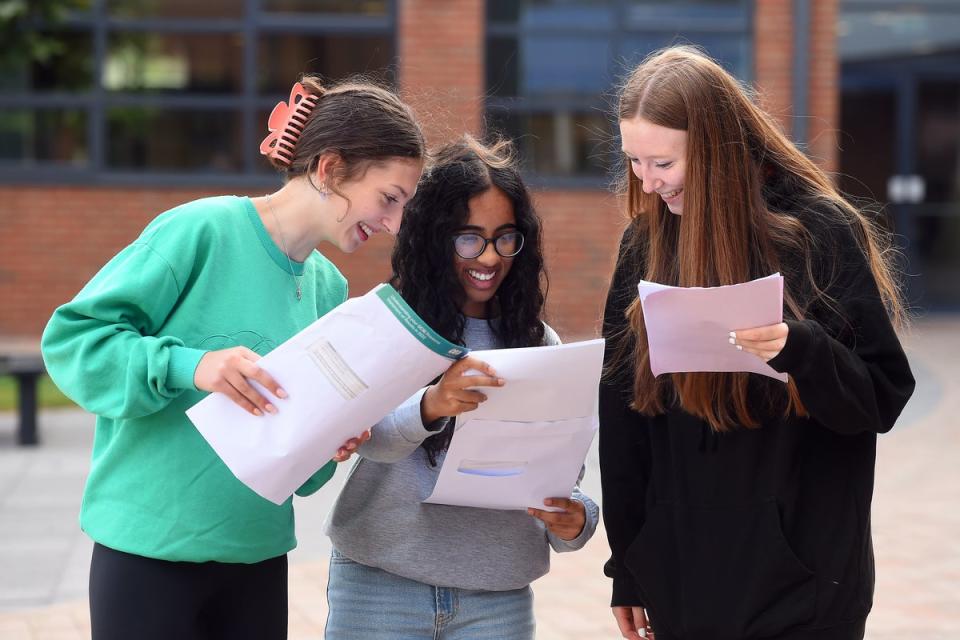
(757,533)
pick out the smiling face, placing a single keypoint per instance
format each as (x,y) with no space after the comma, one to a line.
(491,216)
(376,202)
(658,157)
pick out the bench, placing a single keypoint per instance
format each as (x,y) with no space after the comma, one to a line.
(21,359)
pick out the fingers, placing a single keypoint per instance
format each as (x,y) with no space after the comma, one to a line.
(769,332)
(231,372)
(566,524)
(468,363)
(763,342)
(625,622)
(265,379)
(642,623)
(238,380)
(348,448)
(467,382)
(238,398)
(469,397)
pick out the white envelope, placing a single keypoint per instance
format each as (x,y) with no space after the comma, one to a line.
(529,439)
(343,374)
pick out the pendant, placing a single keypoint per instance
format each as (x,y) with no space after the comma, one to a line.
(299,295)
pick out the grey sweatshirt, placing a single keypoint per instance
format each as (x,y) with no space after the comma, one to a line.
(379,519)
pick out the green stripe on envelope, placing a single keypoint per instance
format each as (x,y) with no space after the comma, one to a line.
(416,326)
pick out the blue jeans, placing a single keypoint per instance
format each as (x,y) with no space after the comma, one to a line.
(367,603)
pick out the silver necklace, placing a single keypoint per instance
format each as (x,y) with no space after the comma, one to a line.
(283,244)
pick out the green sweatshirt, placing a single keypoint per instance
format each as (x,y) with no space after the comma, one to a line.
(203,276)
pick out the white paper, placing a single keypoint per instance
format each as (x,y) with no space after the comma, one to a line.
(528,441)
(342,374)
(688,327)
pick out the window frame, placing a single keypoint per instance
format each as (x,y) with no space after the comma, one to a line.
(97,101)
(685,20)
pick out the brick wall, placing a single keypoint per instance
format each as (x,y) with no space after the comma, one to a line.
(773,28)
(52,240)
(824,85)
(773,57)
(441,64)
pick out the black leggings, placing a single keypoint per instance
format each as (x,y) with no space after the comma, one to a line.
(136,597)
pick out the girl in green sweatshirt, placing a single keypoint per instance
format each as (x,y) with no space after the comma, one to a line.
(183,549)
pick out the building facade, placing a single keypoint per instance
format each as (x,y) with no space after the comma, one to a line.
(146,104)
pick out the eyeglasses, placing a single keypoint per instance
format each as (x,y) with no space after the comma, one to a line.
(472,245)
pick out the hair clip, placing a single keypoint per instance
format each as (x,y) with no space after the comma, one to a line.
(286,123)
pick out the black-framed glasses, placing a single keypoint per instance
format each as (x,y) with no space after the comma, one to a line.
(472,245)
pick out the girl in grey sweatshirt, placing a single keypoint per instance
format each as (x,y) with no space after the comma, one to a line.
(468,260)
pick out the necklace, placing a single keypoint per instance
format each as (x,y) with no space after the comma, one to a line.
(283,244)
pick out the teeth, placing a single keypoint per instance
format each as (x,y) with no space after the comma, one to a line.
(366,229)
(480,276)
(671,194)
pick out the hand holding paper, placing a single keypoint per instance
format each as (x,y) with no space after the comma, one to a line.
(528,440)
(763,342)
(458,390)
(567,521)
(688,328)
(343,373)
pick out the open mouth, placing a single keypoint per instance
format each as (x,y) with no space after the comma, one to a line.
(365,230)
(670,195)
(481,279)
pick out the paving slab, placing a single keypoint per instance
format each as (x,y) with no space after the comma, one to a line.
(44,558)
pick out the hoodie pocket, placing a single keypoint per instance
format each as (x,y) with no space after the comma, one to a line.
(715,573)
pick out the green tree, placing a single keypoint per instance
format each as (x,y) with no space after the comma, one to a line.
(23,42)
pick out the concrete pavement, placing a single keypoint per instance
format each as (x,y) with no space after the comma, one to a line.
(44,557)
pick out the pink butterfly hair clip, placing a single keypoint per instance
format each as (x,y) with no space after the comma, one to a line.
(286,123)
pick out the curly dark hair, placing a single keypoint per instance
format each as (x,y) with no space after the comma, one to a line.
(423,256)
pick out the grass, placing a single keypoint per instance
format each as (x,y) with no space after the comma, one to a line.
(48,396)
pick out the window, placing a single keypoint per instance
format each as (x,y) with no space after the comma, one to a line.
(552,66)
(176,91)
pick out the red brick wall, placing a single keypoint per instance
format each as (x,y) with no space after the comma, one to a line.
(773,57)
(824,84)
(773,32)
(52,240)
(441,45)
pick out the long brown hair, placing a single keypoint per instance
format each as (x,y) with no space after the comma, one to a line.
(738,159)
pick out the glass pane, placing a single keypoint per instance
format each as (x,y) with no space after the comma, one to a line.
(173,139)
(731,51)
(563,143)
(639,11)
(565,66)
(175,8)
(503,10)
(937,261)
(284,57)
(194,63)
(552,13)
(361,7)
(938,140)
(57,136)
(503,67)
(67,64)
(866,158)
(895,32)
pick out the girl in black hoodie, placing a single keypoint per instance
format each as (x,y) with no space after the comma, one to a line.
(736,506)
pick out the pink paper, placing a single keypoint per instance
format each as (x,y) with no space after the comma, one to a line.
(688,327)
